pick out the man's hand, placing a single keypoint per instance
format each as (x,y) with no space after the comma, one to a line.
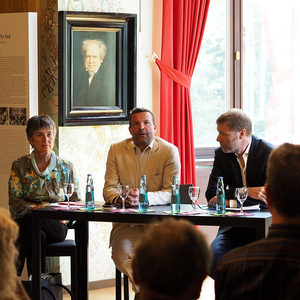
(133,197)
(253,192)
(212,202)
(257,193)
(63,221)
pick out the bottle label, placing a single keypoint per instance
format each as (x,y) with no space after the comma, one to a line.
(221,204)
(175,203)
(175,199)
(143,202)
(143,198)
(89,200)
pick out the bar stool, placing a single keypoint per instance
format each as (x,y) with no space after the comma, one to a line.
(66,248)
(119,284)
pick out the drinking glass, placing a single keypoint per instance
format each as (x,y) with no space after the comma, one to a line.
(123,191)
(241,195)
(68,191)
(194,193)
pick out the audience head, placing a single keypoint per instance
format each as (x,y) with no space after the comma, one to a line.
(171,261)
(283,184)
(142,126)
(8,255)
(93,52)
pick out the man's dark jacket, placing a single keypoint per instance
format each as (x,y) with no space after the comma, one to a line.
(226,165)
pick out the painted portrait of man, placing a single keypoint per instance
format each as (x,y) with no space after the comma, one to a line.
(94,69)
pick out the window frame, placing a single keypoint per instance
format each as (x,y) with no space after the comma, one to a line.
(234,69)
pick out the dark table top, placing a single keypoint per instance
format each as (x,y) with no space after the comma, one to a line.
(205,217)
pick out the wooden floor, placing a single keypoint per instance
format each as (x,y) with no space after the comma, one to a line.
(109,293)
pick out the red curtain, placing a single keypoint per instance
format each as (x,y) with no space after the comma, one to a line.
(182,32)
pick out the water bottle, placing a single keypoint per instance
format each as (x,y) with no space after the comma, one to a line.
(220,202)
(89,193)
(175,197)
(143,196)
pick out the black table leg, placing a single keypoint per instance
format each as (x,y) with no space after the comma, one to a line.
(262,230)
(82,241)
(36,257)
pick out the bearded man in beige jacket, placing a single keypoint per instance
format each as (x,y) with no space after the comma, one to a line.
(126,162)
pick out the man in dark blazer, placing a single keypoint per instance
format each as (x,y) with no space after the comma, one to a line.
(92,85)
(241,160)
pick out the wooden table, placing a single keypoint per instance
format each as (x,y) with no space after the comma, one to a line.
(260,220)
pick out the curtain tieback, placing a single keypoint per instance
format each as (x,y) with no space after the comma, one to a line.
(172,73)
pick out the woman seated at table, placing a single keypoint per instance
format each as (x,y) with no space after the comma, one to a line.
(36,179)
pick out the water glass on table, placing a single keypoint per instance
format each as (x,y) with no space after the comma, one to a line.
(241,195)
(123,192)
(194,193)
(68,191)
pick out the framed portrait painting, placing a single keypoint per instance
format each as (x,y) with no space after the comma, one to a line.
(97,67)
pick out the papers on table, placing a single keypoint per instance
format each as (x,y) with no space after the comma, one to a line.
(64,205)
(251,207)
(71,203)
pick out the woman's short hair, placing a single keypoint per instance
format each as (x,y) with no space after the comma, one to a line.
(42,121)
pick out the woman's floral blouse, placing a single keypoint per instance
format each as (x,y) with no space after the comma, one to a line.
(28,189)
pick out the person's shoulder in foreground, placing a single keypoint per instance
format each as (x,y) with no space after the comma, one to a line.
(10,284)
(269,268)
(171,261)
(262,270)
